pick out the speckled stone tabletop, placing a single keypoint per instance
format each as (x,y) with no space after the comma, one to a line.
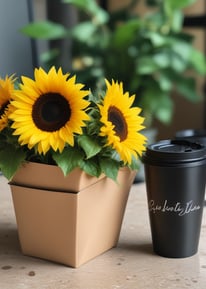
(132,264)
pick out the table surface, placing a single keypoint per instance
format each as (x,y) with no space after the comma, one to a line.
(132,264)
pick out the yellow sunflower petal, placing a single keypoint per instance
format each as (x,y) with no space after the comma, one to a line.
(121,123)
(6,95)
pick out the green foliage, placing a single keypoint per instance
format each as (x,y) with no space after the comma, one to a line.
(10,160)
(173,5)
(91,7)
(45,30)
(69,159)
(11,154)
(110,167)
(150,53)
(90,167)
(89,145)
(92,162)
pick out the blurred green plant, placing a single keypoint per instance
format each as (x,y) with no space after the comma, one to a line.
(150,53)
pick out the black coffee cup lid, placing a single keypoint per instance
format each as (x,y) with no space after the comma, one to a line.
(175,151)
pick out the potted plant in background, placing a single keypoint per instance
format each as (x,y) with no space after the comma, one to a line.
(70,157)
(150,53)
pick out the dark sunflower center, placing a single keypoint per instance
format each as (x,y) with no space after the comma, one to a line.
(118,120)
(51,111)
(3,107)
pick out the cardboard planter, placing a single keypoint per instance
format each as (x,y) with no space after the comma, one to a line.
(70,219)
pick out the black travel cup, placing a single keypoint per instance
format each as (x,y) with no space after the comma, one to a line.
(175,176)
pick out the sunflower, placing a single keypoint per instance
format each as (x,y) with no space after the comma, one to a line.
(121,123)
(6,92)
(49,110)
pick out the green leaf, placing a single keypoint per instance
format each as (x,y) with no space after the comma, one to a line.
(10,160)
(165,82)
(146,65)
(83,31)
(162,59)
(164,110)
(164,113)
(69,159)
(89,145)
(182,49)
(156,38)
(126,33)
(178,64)
(187,87)
(110,167)
(198,61)
(91,167)
(158,103)
(172,5)
(91,7)
(45,30)
(177,21)
(49,56)
(135,165)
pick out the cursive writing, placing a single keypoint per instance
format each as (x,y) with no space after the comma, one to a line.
(178,208)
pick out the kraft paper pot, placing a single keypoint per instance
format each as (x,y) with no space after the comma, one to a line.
(73,222)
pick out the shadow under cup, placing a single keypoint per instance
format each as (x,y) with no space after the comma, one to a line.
(175,175)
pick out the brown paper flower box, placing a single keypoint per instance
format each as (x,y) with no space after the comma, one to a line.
(68,220)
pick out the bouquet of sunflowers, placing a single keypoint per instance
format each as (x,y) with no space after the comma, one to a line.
(51,119)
